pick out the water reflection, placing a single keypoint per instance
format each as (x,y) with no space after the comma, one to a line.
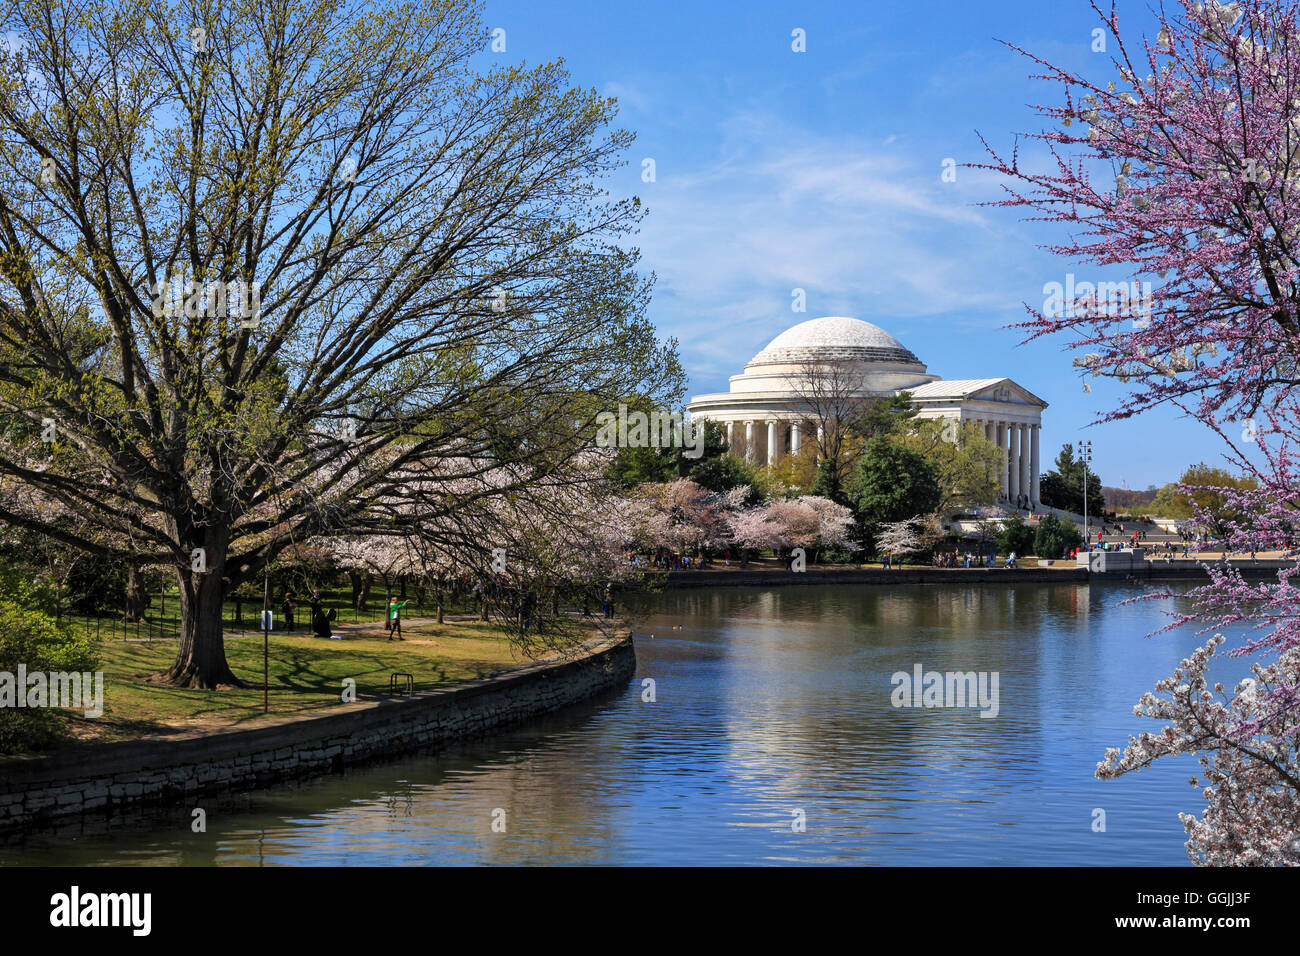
(769,703)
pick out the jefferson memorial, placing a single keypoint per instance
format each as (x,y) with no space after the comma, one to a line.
(766,413)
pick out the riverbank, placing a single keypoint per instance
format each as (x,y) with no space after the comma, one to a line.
(306,674)
(1030,571)
(153,770)
(769,700)
(771,577)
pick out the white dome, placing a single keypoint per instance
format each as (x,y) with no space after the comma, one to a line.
(836,336)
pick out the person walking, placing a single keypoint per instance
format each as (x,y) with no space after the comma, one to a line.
(287,607)
(884,561)
(395,619)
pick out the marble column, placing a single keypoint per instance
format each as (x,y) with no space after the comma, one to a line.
(988,434)
(749,442)
(731,427)
(773,443)
(1033,463)
(1013,486)
(1000,434)
(796,442)
(1025,471)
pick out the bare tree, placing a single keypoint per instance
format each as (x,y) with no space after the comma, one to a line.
(256,259)
(836,398)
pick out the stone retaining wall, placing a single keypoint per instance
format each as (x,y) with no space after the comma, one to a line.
(107,776)
(1061,572)
(1183,571)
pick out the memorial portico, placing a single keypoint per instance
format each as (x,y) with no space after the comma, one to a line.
(767,412)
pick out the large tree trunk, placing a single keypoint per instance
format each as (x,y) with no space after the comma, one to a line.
(201,658)
(360,589)
(137,599)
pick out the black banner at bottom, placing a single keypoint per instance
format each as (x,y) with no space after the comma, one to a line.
(381,906)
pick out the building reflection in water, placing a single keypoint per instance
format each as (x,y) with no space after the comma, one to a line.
(767,701)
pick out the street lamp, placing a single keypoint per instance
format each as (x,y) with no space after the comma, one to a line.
(1085,455)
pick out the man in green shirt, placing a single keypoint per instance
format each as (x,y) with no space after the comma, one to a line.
(395,619)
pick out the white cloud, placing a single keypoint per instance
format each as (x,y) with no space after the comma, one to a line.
(863,230)
(627,96)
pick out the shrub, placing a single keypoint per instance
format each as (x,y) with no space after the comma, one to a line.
(1055,537)
(32,638)
(1016,536)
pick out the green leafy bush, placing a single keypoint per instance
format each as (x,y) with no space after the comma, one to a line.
(33,639)
(1016,536)
(1054,537)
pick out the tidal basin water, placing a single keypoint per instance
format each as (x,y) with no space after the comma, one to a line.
(771,707)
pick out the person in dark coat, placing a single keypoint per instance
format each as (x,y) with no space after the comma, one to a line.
(320,621)
(287,606)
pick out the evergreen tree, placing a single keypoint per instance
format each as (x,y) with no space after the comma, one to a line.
(1063,487)
(725,472)
(892,483)
(1055,537)
(827,483)
(1015,536)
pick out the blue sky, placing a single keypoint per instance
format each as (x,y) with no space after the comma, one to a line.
(821,170)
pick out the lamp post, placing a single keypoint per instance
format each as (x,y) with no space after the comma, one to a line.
(266,638)
(1085,455)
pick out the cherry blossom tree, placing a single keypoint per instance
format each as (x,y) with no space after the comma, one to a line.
(40,508)
(1251,782)
(751,531)
(387,557)
(681,515)
(1180,175)
(560,534)
(834,523)
(901,537)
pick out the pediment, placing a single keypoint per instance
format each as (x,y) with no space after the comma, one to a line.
(1005,391)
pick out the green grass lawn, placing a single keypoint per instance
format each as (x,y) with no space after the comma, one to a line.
(162,619)
(306,674)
